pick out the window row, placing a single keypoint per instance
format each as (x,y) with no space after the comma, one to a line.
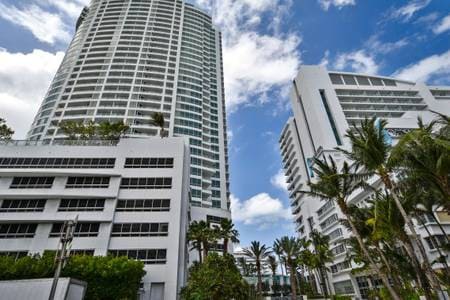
(140,229)
(145,162)
(87,182)
(81,229)
(43,162)
(146,183)
(143,205)
(147,256)
(14,231)
(22,205)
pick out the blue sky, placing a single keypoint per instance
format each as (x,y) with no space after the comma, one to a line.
(265,41)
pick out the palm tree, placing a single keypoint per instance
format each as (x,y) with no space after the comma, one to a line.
(259,253)
(202,236)
(273,264)
(333,185)
(321,256)
(158,120)
(5,131)
(291,249)
(370,149)
(279,252)
(227,232)
(195,235)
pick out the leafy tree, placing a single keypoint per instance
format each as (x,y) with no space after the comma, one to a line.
(217,278)
(259,253)
(227,232)
(337,186)
(6,132)
(371,150)
(158,120)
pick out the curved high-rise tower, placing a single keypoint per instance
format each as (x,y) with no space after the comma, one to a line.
(130,58)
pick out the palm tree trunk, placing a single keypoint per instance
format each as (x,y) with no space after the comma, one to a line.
(415,237)
(205,249)
(225,246)
(373,265)
(293,282)
(199,249)
(388,267)
(422,280)
(323,283)
(258,270)
(282,275)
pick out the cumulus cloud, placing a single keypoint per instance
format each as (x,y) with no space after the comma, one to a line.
(260,210)
(47,27)
(443,25)
(24,79)
(279,180)
(255,63)
(325,4)
(425,69)
(359,61)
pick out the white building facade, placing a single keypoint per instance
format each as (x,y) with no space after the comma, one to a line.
(131,198)
(131,58)
(325,104)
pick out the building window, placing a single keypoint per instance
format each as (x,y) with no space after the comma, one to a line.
(32,182)
(149,162)
(87,182)
(214,219)
(147,256)
(14,254)
(16,231)
(146,183)
(88,252)
(140,229)
(344,287)
(81,205)
(143,205)
(55,163)
(23,205)
(329,221)
(81,229)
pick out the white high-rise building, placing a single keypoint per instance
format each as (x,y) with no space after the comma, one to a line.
(130,58)
(325,104)
(131,198)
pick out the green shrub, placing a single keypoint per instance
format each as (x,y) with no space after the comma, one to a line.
(108,278)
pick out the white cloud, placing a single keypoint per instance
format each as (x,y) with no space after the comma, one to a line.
(425,69)
(358,61)
(407,11)
(375,45)
(260,210)
(443,26)
(279,181)
(325,59)
(45,26)
(325,4)
(24,79)
(70,8)
(255,64)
